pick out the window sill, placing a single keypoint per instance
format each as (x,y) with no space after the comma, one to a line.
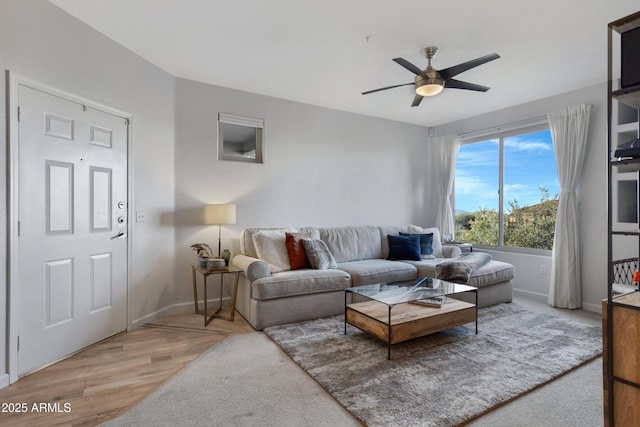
(513,250)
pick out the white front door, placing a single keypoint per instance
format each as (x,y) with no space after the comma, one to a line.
(72,278)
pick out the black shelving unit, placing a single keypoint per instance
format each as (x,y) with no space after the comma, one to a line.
(621,311)
(630,95)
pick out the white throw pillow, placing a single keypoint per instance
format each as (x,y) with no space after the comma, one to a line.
(271,247)
(437,244)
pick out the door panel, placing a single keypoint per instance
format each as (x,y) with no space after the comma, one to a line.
(72,272)
(101,283)
(58,297)
(100,199)
(59,197)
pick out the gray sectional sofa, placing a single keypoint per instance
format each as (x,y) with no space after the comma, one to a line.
(271,294)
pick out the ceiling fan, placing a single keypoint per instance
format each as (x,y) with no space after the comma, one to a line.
(429,82)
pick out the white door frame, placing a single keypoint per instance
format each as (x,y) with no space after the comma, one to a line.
(16,80)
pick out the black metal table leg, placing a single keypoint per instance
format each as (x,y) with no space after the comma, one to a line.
(345,312)
(476,312)
(389,336)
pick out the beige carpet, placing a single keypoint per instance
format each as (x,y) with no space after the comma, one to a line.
(444,379)
(243,381)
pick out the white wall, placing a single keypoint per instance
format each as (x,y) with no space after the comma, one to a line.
(592,193)
(322,168)
(43,43)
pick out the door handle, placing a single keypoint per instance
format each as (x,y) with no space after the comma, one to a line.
(119,235)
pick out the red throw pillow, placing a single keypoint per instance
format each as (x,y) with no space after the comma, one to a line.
(297,257)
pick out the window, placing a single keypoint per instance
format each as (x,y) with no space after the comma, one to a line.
(506,189)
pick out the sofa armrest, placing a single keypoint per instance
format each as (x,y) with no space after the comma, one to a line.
(253,267)
(450,251)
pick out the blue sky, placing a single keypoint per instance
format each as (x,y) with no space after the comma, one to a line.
(529,164)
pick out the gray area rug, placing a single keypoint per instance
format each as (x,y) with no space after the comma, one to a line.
(444,379)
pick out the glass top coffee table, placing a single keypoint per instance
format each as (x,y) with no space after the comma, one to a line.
(398,311)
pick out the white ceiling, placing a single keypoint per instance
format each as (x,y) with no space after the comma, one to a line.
(326,52)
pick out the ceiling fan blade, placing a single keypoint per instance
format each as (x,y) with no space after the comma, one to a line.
(457,84)
(408,65)
(385,88)
(447,73)
(417,100)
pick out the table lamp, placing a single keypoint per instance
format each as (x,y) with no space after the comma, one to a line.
(218,215)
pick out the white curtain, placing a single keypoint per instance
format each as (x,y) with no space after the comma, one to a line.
(569,129)
(445,153)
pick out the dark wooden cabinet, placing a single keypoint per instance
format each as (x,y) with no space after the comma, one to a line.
(621,364)
(621,309)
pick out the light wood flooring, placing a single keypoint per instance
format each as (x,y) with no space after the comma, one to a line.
(107,378)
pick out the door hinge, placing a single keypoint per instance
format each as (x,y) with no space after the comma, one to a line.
(18,228)
(18,342)
(18,113)
(126,122)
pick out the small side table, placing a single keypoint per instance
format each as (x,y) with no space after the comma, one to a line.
(221,273)
(466,247)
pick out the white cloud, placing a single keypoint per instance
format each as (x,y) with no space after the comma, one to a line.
(515,187)
(472,193)
(521,143)
(472,185)
(477,158)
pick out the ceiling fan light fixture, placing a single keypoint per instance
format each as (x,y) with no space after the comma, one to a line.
(429,89)
(430,82)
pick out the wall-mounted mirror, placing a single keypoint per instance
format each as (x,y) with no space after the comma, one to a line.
(240,139)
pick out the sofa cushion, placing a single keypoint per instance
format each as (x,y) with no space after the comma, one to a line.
(489,274)
(297,256)
(318,254)
(426,242)
(370,271)
(352,243)
(299,282)
(246,237)
(272,248)
(384,232)
(404,247)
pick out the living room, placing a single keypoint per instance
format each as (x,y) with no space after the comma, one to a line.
(323,167)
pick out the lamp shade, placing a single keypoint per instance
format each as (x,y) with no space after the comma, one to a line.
(220,214)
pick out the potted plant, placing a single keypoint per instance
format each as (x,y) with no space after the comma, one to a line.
(203,252)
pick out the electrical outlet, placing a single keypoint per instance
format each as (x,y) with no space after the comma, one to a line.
(139,216)
(543,269)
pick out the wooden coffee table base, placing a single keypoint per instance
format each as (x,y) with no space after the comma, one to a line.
(402,322)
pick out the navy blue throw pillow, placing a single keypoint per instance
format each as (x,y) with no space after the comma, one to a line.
(426,242)
(404,248)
